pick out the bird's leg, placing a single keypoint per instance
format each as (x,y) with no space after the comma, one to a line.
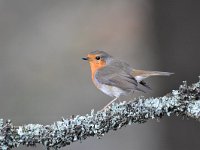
(109,103)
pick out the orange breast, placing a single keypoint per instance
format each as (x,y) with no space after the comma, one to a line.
(96,66)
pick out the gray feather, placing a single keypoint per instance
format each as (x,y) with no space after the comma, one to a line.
(117,73)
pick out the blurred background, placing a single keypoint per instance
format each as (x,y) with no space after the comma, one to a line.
(42,76)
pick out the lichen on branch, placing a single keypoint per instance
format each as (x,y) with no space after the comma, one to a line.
(185,102)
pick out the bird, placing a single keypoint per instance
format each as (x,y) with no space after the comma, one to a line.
(115,77)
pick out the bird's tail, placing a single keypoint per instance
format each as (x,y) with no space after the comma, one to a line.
(139,75)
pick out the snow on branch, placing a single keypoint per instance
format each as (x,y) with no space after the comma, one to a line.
(184,102)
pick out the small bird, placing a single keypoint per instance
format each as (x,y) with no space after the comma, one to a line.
(115,77)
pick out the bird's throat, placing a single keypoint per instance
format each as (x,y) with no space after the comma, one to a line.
(96,66)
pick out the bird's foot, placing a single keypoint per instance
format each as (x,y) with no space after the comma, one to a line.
(104,108)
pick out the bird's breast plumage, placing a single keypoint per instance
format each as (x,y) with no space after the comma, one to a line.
(108,89)
(95,67)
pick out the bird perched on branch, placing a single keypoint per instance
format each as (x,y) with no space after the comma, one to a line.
(115,77)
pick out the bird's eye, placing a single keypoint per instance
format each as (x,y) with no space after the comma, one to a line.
(98,58)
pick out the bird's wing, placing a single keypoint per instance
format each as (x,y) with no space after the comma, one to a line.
(116,75)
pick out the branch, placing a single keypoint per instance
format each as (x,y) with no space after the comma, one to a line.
(184,102)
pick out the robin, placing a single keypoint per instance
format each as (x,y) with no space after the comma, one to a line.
(115,77)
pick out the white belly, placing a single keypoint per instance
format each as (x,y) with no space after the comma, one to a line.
(111,91)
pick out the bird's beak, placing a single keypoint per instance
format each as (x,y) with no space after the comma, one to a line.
(85,58)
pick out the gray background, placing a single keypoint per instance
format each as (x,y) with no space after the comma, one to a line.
(43,78)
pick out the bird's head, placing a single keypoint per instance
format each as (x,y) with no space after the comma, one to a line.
(98,58)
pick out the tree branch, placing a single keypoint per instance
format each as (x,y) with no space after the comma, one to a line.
(184,102)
